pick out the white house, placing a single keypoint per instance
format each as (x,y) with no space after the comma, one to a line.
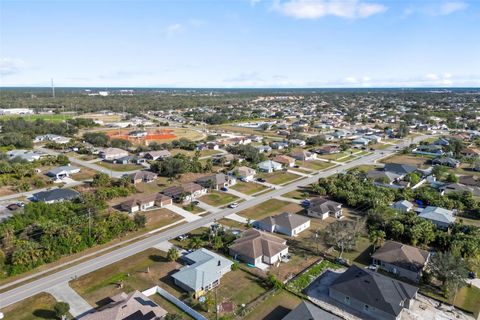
(246,173)
(284,223)
(269,166)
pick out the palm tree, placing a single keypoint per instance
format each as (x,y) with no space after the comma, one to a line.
(377,237)
(195,243)
(173,254)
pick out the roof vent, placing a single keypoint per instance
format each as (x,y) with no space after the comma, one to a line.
(219,263)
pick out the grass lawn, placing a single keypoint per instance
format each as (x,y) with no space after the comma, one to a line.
(39,306)
(335,156)
(32,117)
(361,255)
(160,218)
(275,307)
(379,146)
(232,224)
(278,177)
(467,297)
(169,307)
(248,187)
(348,158)
(305,171)
(119,167)
(314,164)
(148,188)
(416,160)
(469,221)
(192,208)
(300,193)
(465,170)
(218,198)
(239,288)
(84,174)
(365,167)
(270,207)
(139,272)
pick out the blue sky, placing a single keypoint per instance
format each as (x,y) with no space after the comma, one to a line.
(240,43)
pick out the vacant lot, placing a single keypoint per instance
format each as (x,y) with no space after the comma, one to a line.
(119,167)
(33,117)
(248,187)
(314,164)
(300,193)
(270,207)
(275,307)
(161,218)
(218,198)
(39,306)
(278,177)
(139,272)
(84,174)
(335,156)
(415,160)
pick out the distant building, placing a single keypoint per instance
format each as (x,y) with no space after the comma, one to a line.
(246,173)
(440,217)
(186,192)
(446,161)
(26,155)
(142,176)
(285,160)
(55,195)
(216,181)
(323,208)
(62,172)
(156,155)
(269,166)
(111,154)
(402,206)
(145,202)
(16,111)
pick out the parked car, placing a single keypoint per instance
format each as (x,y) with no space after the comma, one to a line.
(196,203)
(20,204)
(296,166)
(472,275)
(224,189)
(373,267)
(233,205)
(261,180)
(182,237)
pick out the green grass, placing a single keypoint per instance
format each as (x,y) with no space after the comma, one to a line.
(119,167)
(351,157)
(314,164)
(169,307)
(335,156)
(274,307)
(279,177)
(467,297)
(47,117)
(365,167)
(270,207)
(248,187)
(39,306)
(218,198)
(361,255)
(298,194)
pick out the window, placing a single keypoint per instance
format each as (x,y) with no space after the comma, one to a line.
(366,307)
(347,300)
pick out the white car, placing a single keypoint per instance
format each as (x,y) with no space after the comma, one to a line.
(233,205)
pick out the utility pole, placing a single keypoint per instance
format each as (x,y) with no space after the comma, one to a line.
(89,223)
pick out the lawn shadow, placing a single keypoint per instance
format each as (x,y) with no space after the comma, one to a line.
(365,257)
(277,313)
(157,258)
(44,314)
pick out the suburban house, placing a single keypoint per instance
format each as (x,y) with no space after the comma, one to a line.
(129,159)
(269,166)
(142,176)
(303,155)
(400,169)
(323,208)
(429,149)
(446,161)
(62,172)
(156,155)
(186,192)
(145,202)
(440,217)
(459,188)
(26,155)
(287,223)
(216,181)
(361,141)
(262,149)
(111,154)
(297,142)
(374,295)
(402,205)
(285,160)
(331,149)
(470,153)
(280,145)
(258,248)
(308,311)
(52,138)
(401,259)
(134,305)
(246,173)
(202,273)
(473,181)
(55,195)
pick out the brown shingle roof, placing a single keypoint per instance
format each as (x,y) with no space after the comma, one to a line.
(402,255)
(255,243)
(128,306)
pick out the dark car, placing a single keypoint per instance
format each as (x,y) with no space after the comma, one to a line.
(195,202)
(224,189)
(261,180)
(472,275)
(13,207)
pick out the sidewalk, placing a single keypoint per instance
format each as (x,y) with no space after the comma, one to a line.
(239,194)
(208,207)
(63,292)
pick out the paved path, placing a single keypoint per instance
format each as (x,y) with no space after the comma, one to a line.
(298,173)
(184,213)
(236,217)
(207,207)
(289,199)
(63,292)
(34,287)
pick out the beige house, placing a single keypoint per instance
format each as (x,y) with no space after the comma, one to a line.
(145,202)
(111,154)
(246,173)
(285,160)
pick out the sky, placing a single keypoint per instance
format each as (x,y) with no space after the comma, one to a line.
(240,43)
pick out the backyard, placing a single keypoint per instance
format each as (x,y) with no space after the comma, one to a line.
(276,306)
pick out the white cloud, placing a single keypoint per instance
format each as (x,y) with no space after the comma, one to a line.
(174,29)
(10,66)
(315,9)
(447,8)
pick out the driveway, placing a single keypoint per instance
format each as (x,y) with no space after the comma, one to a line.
(63,292)
(184,213)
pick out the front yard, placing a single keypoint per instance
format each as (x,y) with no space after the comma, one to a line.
(119,167)
(248,187)
(39,306)
(314,164)
(269,208)
(218,198)
(278,177)
(160,218)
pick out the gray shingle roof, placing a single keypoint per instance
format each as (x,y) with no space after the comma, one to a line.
(437,214)
(56,195)
(308,311)
(374,289)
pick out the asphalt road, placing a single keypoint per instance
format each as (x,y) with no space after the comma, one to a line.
(30,289)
